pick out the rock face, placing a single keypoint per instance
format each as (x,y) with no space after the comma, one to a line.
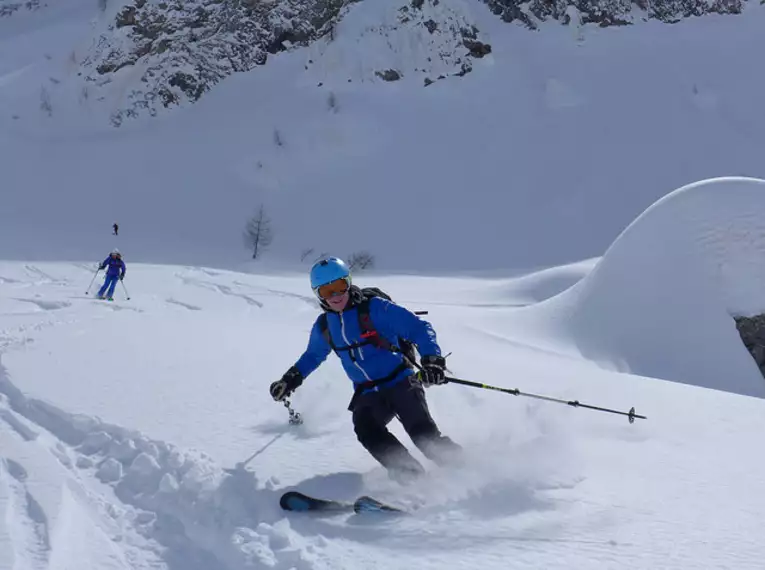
(608,12)
(752,331)
(157,54)
(179,50)
(8,7)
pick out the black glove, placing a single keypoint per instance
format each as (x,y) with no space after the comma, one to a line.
(100,267)
(122,277)
(288,384)
(433,368)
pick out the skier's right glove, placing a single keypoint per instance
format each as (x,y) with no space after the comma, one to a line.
(288,384)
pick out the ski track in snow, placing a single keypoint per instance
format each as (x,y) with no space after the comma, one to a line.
(202,516)
(543,485)
(141,502)
(224,289)
(46,305)
(188,306)
(286,294)
(42,277)
(29,538)
(175,508)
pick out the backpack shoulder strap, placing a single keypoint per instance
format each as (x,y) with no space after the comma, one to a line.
(324,328)
(368,329)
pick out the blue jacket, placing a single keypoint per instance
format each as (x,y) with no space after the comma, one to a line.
(369,362)
(115,267)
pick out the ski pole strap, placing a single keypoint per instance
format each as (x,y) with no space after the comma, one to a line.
(631,415)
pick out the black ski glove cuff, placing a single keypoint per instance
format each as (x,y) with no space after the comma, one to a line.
(293,378)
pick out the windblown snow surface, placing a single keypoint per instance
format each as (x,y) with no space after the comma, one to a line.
(123,423)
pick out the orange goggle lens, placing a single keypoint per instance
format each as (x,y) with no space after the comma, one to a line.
(334,289)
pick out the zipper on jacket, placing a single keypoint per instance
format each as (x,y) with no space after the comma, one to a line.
(345,338)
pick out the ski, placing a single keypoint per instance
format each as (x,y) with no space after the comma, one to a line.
(294,501)
(367,504)
(299,502)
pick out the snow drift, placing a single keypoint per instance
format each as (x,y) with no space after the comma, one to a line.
(661,301)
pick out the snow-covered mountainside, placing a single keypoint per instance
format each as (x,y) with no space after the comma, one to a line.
(140,434)
(539,156)
(148,55)
(160,54)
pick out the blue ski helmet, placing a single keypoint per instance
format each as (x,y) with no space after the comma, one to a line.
(328,270)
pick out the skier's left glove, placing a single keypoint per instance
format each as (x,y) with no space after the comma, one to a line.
(291,380)
(433,370)
(122,277)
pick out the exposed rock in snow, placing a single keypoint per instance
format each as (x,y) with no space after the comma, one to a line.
(166,53)
(425,39)
(609,12)
(151,55)
(752,331)
(8,7)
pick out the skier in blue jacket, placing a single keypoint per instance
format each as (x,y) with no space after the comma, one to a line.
(115,269)
(363,332)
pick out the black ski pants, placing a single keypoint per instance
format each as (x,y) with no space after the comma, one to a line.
(405,399)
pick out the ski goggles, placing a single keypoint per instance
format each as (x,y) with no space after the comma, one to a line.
(333,289)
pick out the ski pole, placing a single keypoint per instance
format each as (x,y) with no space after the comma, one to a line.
(295,418)
(125,288)
(87,291)
(631,415)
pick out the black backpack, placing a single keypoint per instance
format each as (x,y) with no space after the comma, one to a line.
(368,331)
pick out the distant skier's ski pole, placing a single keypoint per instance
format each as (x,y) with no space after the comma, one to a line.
(87,292)
(125,288)
(631,415)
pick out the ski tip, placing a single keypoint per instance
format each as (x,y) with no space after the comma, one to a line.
(294,501)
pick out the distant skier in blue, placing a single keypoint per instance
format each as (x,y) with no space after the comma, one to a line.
(115,269)
(370,334)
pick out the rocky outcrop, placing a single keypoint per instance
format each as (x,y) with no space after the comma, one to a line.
(157,54)
(752,332)
(8,7)
(608,12)
(178,50)
(388,75)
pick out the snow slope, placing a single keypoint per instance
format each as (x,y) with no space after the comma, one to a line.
(122,423)
(566,138)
